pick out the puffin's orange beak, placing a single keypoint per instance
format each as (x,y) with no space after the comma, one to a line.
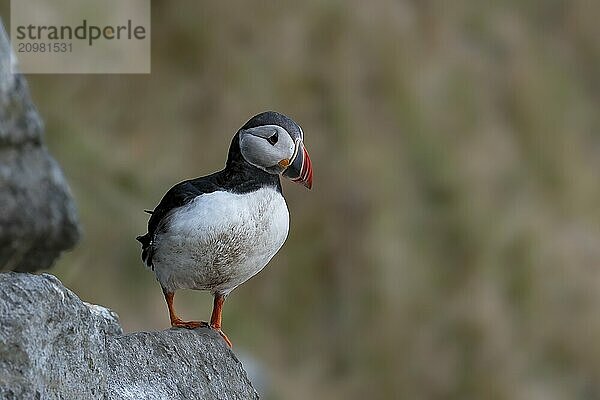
(300,168)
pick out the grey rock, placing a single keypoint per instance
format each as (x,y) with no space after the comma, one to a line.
(54,346)
(38,219)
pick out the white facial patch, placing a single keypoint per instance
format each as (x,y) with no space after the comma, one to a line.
(265,146)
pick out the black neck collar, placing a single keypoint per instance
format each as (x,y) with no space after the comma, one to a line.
(244,177)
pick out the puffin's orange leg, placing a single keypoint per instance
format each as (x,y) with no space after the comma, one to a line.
(215,319)
(175,320)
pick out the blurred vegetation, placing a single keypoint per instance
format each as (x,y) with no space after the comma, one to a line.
(450,247)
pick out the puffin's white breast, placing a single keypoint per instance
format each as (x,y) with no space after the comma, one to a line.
(220,240)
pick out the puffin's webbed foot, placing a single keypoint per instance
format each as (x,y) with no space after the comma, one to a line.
(223,335)
(215,321)
(178,323)
(175,320)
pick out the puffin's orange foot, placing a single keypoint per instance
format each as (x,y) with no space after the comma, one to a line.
(223,335)
(188,324)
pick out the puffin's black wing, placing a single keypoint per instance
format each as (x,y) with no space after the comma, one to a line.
(178,196)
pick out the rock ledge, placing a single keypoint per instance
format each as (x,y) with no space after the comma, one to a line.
(55,346)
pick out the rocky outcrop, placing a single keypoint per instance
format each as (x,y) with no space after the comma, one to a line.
(37,213)
(54,346)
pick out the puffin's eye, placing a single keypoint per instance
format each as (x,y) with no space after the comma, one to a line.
(273,139)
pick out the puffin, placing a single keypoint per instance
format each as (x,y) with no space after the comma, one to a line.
(215,232)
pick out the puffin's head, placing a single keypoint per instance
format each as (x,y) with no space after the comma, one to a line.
(274,143)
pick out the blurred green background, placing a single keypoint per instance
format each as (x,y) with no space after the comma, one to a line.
(450,246)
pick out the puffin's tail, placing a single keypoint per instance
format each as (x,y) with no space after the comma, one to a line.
(147,249)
